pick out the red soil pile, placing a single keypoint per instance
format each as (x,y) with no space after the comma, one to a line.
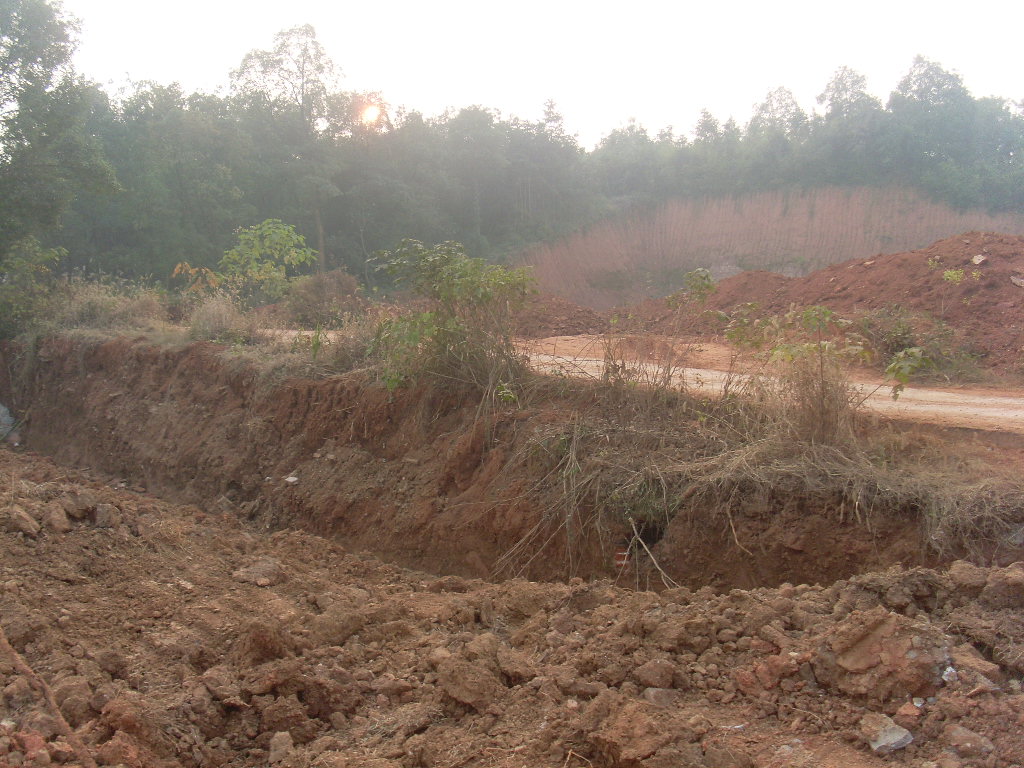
(985,302)
(548,315)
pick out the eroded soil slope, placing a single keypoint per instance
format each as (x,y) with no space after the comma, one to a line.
(415,476)
(177,636)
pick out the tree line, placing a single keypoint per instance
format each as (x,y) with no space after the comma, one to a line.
(137,182)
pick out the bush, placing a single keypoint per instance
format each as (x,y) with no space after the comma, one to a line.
(218,318)
(804,390)
(323,300)
(25,281)
(256,269)
(893,331)
(104,305)
(465,336)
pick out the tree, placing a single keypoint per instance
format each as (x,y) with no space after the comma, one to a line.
(846,95)
(45,155)
(257,267)
(296,72)
(708,130)
(295,82)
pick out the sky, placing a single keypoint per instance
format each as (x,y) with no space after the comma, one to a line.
(656,62)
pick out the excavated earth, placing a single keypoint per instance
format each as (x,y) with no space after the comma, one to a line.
(247,568)
(414,476)
(166,635)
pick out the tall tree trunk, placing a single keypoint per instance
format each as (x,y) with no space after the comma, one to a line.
(320,240)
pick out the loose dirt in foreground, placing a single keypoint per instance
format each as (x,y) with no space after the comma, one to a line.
(173,636)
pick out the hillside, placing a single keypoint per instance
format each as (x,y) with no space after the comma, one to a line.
(626,260)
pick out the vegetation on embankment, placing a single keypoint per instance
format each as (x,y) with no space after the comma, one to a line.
(548,485)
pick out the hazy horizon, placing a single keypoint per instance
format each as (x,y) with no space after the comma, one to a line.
(659,65)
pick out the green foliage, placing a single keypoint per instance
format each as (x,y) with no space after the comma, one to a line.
(47,155)
(25,272)
(287,144)
(916,347)
(466,335)
(954,276)
(257,268)
(903,366)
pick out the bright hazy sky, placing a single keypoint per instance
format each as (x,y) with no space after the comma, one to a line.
(603,63)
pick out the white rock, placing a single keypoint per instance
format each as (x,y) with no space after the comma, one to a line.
(281,745)
(882,734)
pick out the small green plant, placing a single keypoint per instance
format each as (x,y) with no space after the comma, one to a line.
(894,333)
(954,276)
(698,284)
(903,366)
(505,393)
(313,343)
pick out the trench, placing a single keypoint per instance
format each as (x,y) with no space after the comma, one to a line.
(415,477)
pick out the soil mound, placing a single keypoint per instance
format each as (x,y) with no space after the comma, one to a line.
(548,315)
(973,281)
(179,636)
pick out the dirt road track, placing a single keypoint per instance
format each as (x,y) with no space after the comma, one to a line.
(973,409)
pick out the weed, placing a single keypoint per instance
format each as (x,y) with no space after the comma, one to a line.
(326,300)
(104,304)
(916,347)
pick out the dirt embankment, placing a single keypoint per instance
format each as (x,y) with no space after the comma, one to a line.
(413,476)
(178,637)
(974,282)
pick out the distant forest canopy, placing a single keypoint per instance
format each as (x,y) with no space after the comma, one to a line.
(137,182)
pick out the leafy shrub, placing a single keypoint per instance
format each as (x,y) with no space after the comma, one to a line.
(257,268)
(465,336)
(25,280)
(938,354)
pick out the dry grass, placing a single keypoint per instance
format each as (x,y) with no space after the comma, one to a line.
(629,455)
(219,317)
(104,306)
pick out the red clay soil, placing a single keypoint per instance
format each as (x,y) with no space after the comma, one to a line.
(148,635)
(414,476)
(986,306)
(547,315)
